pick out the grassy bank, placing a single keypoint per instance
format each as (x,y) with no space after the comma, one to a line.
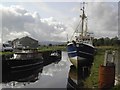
(92,80)
(6,53)
(50,48)
(117,87)
(41,49)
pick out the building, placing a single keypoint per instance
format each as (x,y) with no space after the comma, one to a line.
(25,42)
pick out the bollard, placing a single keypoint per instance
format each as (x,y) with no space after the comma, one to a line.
(107,71)
(106,76)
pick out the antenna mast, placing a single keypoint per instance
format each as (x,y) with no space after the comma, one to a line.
(83,16)
(86,28)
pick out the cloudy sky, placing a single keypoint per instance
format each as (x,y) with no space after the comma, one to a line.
(52,21)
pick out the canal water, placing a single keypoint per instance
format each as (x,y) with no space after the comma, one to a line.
(54,75)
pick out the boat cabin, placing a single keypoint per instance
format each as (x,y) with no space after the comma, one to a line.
(84,39)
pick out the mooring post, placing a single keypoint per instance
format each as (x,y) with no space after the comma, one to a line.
(105,58)
(113,56)
(107,71)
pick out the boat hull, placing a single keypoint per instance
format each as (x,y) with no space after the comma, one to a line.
(23,67)
(80,54)
(78,61)
(17,69)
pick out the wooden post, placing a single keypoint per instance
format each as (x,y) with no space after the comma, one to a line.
(113,56)
(105,58)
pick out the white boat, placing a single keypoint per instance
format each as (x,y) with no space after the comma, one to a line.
(81,50)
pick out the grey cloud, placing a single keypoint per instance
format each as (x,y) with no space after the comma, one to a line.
(13,18)
(105,16)
(16,21)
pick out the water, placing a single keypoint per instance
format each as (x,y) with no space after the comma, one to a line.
(54,75)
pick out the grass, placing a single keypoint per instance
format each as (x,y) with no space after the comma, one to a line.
(107,47)
(51,48)
(6,53)
(92,80)
(42,49)
(117,87)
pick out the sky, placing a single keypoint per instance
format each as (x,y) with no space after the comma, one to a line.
(53,21)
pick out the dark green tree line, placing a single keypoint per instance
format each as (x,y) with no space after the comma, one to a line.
(106,41)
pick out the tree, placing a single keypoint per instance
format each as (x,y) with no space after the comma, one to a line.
(50,44)
(114,41)
(107,41)
(100,41)
(95,42)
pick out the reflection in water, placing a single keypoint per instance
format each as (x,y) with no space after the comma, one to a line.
(53,68)
(77,76)
(18,79)
(56,67)
(54,75)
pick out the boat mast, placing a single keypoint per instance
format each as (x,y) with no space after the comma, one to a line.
(83,17)
(86,28)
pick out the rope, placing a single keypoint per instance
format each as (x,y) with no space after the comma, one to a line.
(75,30)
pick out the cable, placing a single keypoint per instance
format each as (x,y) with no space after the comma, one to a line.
(75,30)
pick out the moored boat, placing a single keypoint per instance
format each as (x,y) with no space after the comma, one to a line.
(21,62)
(51,56)
(81,50)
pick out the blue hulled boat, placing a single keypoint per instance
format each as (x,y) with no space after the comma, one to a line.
(80,49)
